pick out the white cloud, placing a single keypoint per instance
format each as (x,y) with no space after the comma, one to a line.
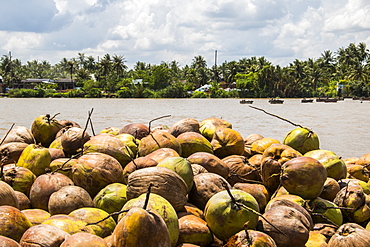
(164,30)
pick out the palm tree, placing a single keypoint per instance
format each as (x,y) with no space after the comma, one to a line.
(119,65)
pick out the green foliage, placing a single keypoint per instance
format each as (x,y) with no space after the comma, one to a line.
(199,94)
(124,92)
(176,90)
(93,93)
(26,93)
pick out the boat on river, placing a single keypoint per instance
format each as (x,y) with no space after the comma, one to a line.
(244,101)
(276,101)
(304,100)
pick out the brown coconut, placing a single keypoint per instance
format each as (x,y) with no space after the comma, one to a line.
(36,215)
(162,153)
(258,191)
(63,166)
(194,230)
(73,140)
(240,170)
(44,186)
(156,140)
(205,186)
(43,235)
(23,200)
(56,153)
(18,134)
(137,130)
(94,171)
(137,164)
(184,125)
(166,183)
(210,162)
(20,178)
(7,195)
(246,238)
(8,242)
(67,199)
(350,234)
(83,239)
(11,151)
(330,189)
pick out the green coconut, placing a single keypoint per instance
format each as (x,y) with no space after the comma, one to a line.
(63,166)
(111,198)
(67,223)
(302,139)
(130,141)
(44,128)
(225,217)
(35,158)
(182,167)
(324,211)
(208,126)
(91,215)
(334,165)
(192,142)
(160,205)
(20,178)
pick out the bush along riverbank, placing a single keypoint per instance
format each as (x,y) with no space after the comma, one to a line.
(193,183)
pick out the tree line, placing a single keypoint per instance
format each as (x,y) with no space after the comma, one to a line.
(254,77)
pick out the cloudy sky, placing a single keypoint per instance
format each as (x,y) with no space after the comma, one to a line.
(152,31)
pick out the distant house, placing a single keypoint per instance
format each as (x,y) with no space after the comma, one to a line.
(2,86)
(65,84)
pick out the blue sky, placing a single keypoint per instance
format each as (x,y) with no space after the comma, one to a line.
(153,31)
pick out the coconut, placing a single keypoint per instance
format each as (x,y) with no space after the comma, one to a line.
(166,183)
(36,215)
(182,167)
(258,191)
(251,238)
(364,160)
(130,142)
(73,140)
(67,223)
(302,139)
(82,239)
(208,126)
(56,153)
(210,162)
(8,242)
(20,178)
(240,170)
(68,123)
(227,142)
(35,158)
(57,143)
(192,142)
(273,158)
(90,216)
(334,165)
(184,125)
(324,211)
(162,153)
(290,222)
(7,195)
(351,197)
(330,189)
(259,146)
(23,201)
(194,230)
(11,151)
(108,144)
(137,164)
(358,171)
(197,169)
(205,186)
(297,174)
(156,140)
(161,206)
(350,234)
(137,130)
(44,186)
(226,216)
(316,239)
(141,228)
(111,198)
(63,166)
(248,142)
(13,222)
(43,235)
(67,199)
(18,134)
(94,171)
(44,128)
(111,130)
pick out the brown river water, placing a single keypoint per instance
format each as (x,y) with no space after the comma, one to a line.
(343,127)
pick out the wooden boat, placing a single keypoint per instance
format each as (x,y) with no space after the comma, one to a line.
(276,101)
(304,100)
(331,100)
(244,101)
(321,99)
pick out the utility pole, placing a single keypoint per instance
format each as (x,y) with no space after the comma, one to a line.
(215,72)
(11,69)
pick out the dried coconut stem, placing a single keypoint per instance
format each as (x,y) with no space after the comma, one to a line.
(150,122)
